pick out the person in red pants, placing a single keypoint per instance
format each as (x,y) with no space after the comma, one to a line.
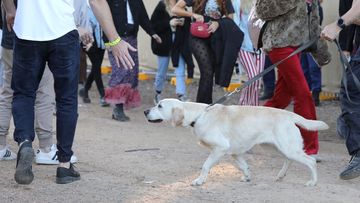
(291,85)
(280,38)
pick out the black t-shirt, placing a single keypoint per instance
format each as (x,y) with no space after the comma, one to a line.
(212,9)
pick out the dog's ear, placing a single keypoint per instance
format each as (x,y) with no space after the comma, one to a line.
(177,116)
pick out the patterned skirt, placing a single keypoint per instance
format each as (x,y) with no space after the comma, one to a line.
(122,88)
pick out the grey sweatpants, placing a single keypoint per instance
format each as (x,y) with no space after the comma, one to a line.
(44,104)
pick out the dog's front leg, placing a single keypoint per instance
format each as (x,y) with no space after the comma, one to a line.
(243,166)
(213,159)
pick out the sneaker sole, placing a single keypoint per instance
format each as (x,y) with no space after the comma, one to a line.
(52,162)
(66,180)
(23,173)
(46,162)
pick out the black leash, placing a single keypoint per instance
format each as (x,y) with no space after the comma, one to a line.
(260,75)
(346,65)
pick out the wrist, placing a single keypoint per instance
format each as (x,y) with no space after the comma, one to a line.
(114,42)
(341,23)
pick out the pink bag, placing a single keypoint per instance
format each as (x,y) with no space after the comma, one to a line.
(256,28)
(198,29)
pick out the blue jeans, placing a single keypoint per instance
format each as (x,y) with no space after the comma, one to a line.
(348,122)
(269,78)
(312,72)
(30,58)
(163,64)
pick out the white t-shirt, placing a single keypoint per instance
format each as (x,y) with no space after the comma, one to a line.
(44,20)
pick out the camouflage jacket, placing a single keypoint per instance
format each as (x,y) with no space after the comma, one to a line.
(287,22)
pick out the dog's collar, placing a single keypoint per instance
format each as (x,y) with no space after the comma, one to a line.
(192,124)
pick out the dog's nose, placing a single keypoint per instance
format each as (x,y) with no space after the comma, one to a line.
(146,112)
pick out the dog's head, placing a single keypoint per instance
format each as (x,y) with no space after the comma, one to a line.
(166,110)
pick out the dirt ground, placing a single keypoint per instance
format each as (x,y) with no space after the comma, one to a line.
(111,174)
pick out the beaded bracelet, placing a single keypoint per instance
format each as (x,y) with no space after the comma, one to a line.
(113,43)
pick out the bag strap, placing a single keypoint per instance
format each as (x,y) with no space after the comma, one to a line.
(346,65)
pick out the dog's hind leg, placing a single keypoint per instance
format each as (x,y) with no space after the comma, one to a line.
(283,171)
(213,159)
(243,166)
(299,155)
(309,162)
(290,143)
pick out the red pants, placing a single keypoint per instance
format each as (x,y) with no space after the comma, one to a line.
(291,84)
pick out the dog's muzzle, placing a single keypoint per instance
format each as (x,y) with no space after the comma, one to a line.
(146,112)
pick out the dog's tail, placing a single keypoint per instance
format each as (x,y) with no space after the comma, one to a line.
(312,125)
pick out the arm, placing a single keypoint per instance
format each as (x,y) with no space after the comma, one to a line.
(121,50)
(269,9)
(353,15)
(346,36)
(179,10)
(10,13)
(146,24)
(158,21)
(331,31)
(82,22)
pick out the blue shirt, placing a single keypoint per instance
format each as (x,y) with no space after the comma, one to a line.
(241,20)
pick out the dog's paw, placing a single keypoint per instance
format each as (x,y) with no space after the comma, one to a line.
(198,182)
(280,178)
(245,179)
(310,183)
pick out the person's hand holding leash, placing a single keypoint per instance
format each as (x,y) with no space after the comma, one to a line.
(331,31)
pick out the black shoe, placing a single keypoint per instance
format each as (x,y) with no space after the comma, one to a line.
(66,175)
(119,115)
(267,95)
(103,103)
(353,169)
(85,95)
(25,157)
(316,97)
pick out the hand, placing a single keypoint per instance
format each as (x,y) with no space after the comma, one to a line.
(356,22)
(121,54)
(198,18)
(85,36)
(330,32)
(174,22)
(347,54)
(213,27)
(87,46)
(157,38)
(10,18)
(181,21)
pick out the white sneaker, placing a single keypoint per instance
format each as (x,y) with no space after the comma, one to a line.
(51,157)
(7,155)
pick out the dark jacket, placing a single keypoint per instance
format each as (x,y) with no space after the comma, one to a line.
(226,43)
(160,22)
(351,33)
(140,17)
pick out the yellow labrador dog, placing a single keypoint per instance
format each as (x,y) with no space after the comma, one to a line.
(236,129)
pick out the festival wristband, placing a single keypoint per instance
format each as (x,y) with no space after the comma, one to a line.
(113,43)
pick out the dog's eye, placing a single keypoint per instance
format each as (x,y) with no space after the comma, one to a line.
(159,106)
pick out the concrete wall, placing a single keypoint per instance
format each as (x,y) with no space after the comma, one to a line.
(331,73)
